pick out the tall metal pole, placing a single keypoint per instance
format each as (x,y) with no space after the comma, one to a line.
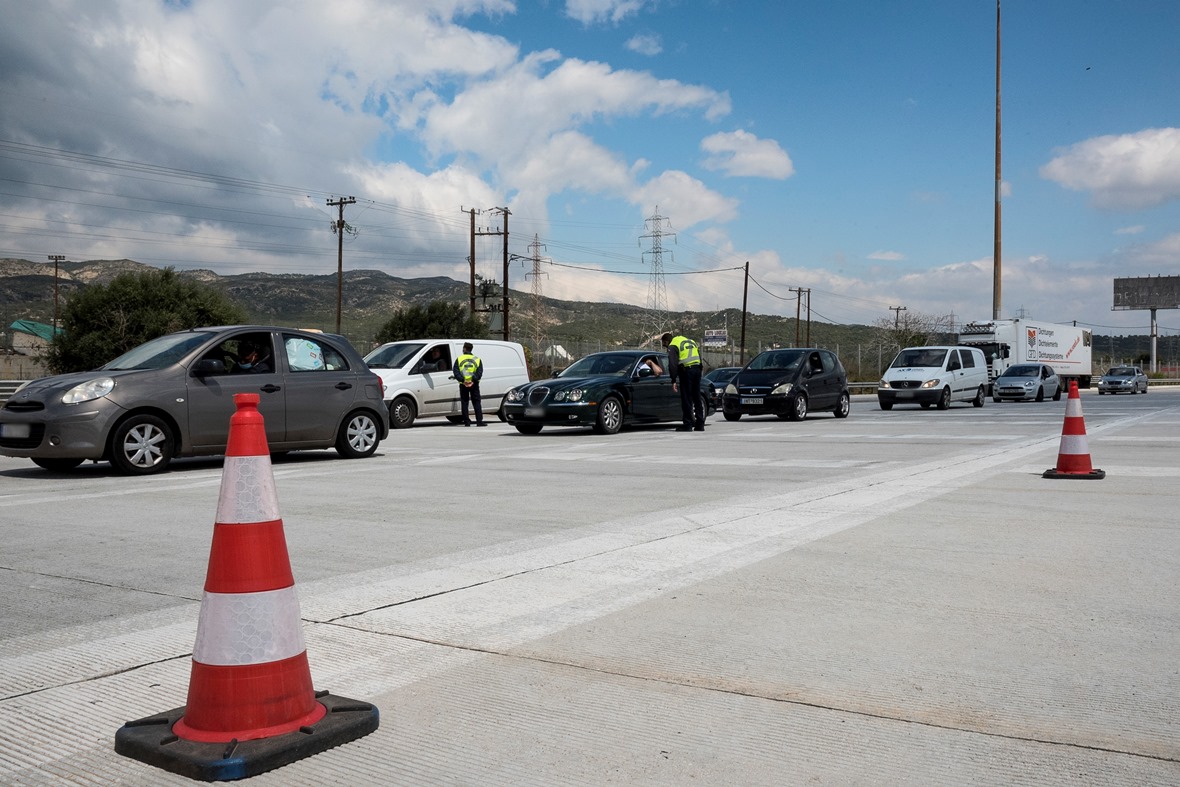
(996,257)
(506,213)
(55,258)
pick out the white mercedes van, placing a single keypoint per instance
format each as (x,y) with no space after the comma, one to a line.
(934,376)
(419,382)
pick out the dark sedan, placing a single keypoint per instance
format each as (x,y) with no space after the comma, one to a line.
(719,378)
(605,391)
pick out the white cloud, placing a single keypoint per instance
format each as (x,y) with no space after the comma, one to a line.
(591,11)
(686,198)
(1123,172)
(888,256)
(1132,230)
(649,45)
(740,153)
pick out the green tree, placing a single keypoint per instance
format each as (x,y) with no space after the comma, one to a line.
(104,321)
(437,320)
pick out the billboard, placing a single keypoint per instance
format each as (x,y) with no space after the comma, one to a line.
(1147,292)
(715,338)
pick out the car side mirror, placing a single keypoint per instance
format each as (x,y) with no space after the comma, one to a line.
(207,367)
(644,371)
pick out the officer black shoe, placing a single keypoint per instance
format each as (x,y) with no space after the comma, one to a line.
(481,423)
(698,428)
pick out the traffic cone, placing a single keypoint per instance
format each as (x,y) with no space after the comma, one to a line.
(251,705)
(1073,459)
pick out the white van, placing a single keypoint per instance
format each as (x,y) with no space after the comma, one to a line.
(419,382)
(934,375)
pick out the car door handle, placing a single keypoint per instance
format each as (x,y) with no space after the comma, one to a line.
(343,386)
(271,388)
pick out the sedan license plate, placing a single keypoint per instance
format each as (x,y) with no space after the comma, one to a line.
(751,400)
(14,431)
(534,412)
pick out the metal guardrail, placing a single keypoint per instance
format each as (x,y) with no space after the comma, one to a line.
(7,387)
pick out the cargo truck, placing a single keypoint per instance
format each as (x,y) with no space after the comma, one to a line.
(1006,342)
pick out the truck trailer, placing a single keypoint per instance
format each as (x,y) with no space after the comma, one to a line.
(1067,348)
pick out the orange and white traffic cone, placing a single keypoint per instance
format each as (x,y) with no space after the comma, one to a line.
(1073,459)
(251,705)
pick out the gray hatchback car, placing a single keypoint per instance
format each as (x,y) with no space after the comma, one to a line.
(173,396)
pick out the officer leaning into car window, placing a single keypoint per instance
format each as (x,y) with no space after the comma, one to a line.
(468,369)
(684,367)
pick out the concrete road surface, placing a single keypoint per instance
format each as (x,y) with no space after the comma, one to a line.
(898,598)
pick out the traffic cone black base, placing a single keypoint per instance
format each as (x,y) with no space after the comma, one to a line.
(152,741)
(1053,472)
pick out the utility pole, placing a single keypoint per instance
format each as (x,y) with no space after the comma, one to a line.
(338,227)
(504,292)
(799,292)
(745,297)
(897,310)
(538,316)
(55,259)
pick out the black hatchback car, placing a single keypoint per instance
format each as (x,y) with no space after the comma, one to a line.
(789,383)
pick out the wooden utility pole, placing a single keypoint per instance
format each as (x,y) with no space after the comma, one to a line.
(55,258)
(897,310)
(745,297)
(338,228)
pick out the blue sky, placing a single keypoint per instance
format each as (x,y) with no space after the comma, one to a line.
(845,147)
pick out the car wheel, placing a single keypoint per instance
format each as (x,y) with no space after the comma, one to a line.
(944,401)
(358,436)
(610,416)
(979,399)
(1057,394)
(924,405)
(57,465)
(997,399)
(886,405)
(732,416)
(528,428)
(843,407)
(1040,397)
(798,408)
(455,419)
(141,445)
(403,411)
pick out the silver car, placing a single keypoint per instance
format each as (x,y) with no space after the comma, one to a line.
(173,396)
(1026,381)
(1123,379)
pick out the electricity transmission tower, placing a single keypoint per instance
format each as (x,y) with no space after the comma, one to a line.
(656,318)
(538,309)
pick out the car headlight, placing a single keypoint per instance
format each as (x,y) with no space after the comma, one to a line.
(731,389)
(88,391)
(782,390)
(515,395)
(1029,383)
(931,383)
(883,383)
(576,395)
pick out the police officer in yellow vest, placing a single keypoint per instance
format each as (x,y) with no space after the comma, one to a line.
(468,369)
(684,366)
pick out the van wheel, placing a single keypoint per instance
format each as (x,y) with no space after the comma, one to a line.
(979,399)
(1040,394)
(798,408)
(142,445)
(944,401)
(402,412)
(610,416)
(358,436)
(886,405)
(843,406)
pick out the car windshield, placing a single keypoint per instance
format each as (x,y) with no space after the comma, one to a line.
(1023,371)
(776,360)
(158,353)
(1122,371)
(721,376)
(394,356)
(919,357)
(600,365)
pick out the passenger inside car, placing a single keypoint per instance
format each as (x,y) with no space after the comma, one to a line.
(253,357)
(650,364)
